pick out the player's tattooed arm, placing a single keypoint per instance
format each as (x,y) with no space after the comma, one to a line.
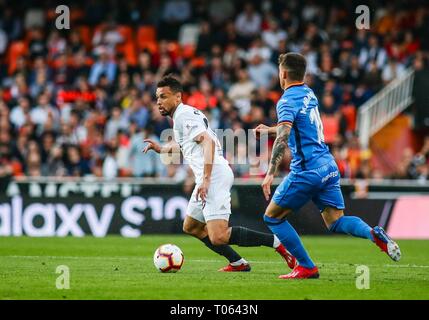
(279,147)
(264,129)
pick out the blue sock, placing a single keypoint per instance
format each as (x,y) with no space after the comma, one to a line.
(352,225)
(290,239)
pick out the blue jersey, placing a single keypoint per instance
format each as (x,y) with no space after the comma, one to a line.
(298,106)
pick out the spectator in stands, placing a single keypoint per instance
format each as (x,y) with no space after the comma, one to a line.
(106,38)
(372,52)
(177,10)
(144,164)
(259,48)
(116,122)
(11,23)
(354,73)
(262,73)
(205,39)
(54,165)
(20,114)
(203,98)
(37,46)
(174,14)
(241,91)
(44,110)
(110,164)
(33,160)
(76,165)
(273,35)
(3,42)
(97,102)
(103,66)
(220,11)
(392,70)
(248,24)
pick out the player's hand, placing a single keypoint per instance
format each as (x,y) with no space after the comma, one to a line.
(152,145)
(266,185)
(260,130)
(202,191)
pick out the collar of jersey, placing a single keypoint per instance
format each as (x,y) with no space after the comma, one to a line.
(175,111)
(294,85)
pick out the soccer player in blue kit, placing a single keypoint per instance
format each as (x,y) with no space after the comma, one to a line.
(314,174)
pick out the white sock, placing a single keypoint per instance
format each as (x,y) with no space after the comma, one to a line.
(238,262)
(276,242)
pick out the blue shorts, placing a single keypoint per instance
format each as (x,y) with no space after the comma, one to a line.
(321,185)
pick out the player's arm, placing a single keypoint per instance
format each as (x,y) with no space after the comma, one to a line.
(208,145)
(264,129)
(279,148)
(170,147)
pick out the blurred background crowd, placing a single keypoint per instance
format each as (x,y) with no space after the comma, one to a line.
(80,101)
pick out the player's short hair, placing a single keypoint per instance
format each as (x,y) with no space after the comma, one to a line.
(295,65)
(171,82)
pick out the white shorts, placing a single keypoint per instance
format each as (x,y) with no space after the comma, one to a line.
(218,200)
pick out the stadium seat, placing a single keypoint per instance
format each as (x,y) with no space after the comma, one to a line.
(188,51)
(198,62)
(331,127)
(126,32)
(349,112)
(145,35)
(129,51)
(274,96)
(86,36)
(127,48)
(51,14)
(17,49)
(76,14)
(174,48)
(151,46)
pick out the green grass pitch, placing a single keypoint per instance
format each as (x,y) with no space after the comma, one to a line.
(122,268)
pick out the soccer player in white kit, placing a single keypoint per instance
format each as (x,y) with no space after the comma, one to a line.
(210,205)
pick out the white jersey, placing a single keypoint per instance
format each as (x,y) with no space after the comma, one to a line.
(189,122)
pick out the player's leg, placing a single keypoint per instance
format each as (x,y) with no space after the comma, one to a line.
(217,211)
(245,237)
(275,219)
(220,233)
(331,203)
(217,230)
(290,195)
(337,222)
(195,224)
(198,230)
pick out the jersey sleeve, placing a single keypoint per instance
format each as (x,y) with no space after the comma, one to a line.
(191,125)
(286,111)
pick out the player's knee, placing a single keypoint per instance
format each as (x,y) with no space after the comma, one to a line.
(186,229)
(191,230)
(219,239)
(331,216)
(277,214)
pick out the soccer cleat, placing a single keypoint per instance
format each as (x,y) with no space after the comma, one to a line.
(300,272)
(289,258)
(386,244)
(244,267)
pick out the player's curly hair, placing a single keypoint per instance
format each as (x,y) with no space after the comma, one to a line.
(171,82)
(295,65)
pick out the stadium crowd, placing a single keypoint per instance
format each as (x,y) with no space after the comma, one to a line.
(80,102)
